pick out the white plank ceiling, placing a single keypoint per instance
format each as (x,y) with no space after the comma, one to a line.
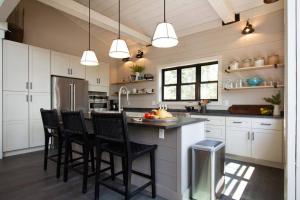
(187,16)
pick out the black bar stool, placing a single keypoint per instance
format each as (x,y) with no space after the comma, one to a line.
(112,136)
(52,129)
(75,131)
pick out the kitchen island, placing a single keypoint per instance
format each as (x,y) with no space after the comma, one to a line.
(173,158)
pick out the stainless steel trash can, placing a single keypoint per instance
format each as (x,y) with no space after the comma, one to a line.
(208,177)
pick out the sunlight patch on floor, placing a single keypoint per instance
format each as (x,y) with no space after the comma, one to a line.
(237,178)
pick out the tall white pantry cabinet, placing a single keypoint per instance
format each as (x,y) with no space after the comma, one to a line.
(26,89)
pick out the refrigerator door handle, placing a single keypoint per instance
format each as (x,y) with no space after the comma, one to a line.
(71,96)
(74,97)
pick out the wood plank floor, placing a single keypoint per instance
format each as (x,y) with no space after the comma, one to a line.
(23,178)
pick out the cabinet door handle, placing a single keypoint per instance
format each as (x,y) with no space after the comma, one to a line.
(253,136)
(248,135)
(31,85)
(99,80)
(265,124)
(27,85)
(236,122)
(68,70)
(30,98)
(27,98)
(71,71)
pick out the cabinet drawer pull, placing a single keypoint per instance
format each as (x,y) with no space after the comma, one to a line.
(264,124)
(237,122)
(207,131)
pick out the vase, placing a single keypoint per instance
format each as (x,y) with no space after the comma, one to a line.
(276,111)
(137,75)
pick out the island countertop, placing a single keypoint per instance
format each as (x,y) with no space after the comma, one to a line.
(181,121)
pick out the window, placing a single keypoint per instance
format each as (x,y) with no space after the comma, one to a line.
(191,83)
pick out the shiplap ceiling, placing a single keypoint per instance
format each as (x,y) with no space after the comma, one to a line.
(187,16)
(143,15)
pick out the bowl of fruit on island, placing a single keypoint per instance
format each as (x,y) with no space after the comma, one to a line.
(159,115)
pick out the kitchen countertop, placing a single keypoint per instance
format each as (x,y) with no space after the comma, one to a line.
(181,121)
(222,113)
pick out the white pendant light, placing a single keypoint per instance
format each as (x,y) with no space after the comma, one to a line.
(119,47)
(164,35)
(89,57)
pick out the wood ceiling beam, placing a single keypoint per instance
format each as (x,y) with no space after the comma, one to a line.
(6,7)
(224,9)
(78,10)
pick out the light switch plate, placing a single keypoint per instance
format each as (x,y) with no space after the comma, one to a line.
(161,134)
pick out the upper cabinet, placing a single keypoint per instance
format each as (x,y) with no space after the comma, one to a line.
(98,77)
(66,65)
(39,69)
(15,66)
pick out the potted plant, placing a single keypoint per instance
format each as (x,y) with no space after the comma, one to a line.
(275,100)
(137,69)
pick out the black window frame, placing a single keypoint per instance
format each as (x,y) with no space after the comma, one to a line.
(197,83)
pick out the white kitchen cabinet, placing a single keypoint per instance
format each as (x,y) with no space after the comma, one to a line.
(215,132)
(39,69)
(36,131)
(66,65)
(98,77)
(60,64)
(238,141)
(77,70)
(15,135)
(15,66)
(15,106)
(15,120)
(267,145)
(214,126)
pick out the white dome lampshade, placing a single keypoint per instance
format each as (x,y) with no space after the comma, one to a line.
(164,36)
(89,58)
(119,49)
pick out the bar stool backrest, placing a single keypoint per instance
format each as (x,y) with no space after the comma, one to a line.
(74,123)
(112,128)
(50,122)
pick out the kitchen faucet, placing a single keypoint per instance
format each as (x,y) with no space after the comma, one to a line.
(123,88)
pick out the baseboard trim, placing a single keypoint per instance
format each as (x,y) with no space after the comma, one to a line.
(22,151)
(256,161)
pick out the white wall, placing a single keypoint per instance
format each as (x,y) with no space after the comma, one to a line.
(227,43)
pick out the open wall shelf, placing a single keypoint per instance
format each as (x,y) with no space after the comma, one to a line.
(130,82)
(253,68)
(253,87)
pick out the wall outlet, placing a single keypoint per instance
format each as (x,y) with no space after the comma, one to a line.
(161,134)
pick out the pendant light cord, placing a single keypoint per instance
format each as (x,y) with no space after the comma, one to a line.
(164,10)
(89,24)
(119,33)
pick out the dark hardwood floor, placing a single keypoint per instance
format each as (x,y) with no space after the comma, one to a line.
(23,178)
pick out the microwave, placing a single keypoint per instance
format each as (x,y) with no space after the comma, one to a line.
(98,103)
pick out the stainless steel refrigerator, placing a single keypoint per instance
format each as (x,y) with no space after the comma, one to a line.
(69,94)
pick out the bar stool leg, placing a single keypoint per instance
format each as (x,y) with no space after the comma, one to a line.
(46,152)
(92,158)
(59,157)
(85,167)
(153,180)
(98,169)
(112,166)
(128,168)
(66,162)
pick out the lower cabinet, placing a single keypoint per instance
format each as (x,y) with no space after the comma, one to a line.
(267,145)
(15,135)
(238,141)
(22,124)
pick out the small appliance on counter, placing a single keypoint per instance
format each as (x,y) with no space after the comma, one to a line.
(98,101)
